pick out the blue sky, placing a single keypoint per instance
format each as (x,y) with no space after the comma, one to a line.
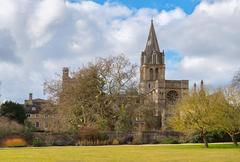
(187,5)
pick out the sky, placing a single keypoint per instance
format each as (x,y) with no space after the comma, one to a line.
(38,38)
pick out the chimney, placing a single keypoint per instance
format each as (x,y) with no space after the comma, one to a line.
(195,87)
(30,99)
(65,73)
(202,86)
(30,96)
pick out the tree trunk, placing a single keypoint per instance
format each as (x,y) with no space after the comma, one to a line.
(205,141)
(234,139)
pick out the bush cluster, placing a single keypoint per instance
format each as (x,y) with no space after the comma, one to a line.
(9,128)
(169,140)
(38,142)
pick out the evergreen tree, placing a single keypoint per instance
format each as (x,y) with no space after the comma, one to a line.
(13,111)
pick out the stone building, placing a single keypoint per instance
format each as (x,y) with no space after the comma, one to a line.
(40,119)
(153,84)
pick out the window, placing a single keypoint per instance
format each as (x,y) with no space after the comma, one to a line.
(172,97)
(151,74)
(28,115)
(37,124)
(34,109)
(156,72)
(46,124)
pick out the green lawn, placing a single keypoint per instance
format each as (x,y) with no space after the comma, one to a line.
(141,153)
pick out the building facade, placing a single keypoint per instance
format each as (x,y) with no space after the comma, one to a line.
(153,84)
(42,120)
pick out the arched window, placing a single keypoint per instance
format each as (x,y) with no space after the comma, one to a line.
(156,73)
(151,74)
(37,124)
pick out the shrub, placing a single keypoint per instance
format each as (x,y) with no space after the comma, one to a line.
(15,142)
(88,134)
(155,141)
(215,136)
(169,140)
(60,142)
(115,142)
(9,128)
(102,136)
(137,141)
(38,142)
(28,131)
(127,139)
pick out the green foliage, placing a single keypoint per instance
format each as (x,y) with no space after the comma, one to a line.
(196,113)
(227,115)
(125,120)
(13,111)
(169,140)
(102,136)
(38,142)
(148,115)
(214,136)
(29,128)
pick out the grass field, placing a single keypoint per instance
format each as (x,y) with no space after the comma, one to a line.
(141,153)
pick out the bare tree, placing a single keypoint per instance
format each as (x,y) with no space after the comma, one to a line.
(227,116)
(97,95)
(0,93)
(236,80)
(9,127)
(120,87)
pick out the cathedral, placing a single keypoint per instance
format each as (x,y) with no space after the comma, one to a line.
(153,84)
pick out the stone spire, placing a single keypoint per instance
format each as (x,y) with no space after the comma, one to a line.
(152,43)
(152,54)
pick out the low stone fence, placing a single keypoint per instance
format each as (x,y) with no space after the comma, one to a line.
(144,136)
(107,137)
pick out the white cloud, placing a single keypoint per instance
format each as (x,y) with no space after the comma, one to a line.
(43,36)
(7,47)
(208,41)
(8,11)
(46,14)
(165,17)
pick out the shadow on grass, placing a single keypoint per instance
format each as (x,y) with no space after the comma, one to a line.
(201,146)
(224,146)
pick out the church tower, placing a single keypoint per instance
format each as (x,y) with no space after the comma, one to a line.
(152,63)
(152,74)
(153,85)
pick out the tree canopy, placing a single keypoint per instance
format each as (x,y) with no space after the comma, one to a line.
(13,111)
(195,114)
(102,95)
